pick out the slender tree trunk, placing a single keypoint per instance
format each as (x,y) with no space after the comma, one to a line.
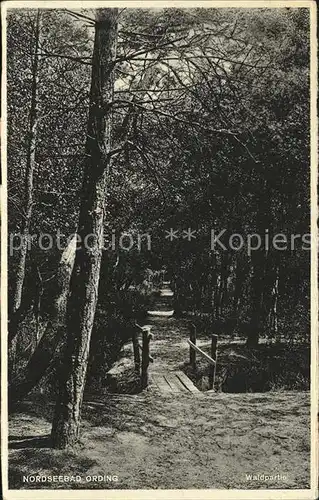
(217,293)
(257,286)
(224,275)
(259,260)
(37,308)
(212,285)
(238,286)
(241,275)
(28,192)
(273,313)
(40,360)
(85,277)
(30,167)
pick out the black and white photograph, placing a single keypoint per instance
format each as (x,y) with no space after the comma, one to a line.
(159,289)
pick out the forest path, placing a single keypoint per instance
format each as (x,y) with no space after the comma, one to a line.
(155,440)
(168,347)
(170,352)
(177,441)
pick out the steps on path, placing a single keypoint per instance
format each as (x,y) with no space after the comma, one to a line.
(162,307)
(173,382)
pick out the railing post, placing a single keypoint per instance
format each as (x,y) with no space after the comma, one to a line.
(136,350)
(192,352)
(213,354)
(145,357)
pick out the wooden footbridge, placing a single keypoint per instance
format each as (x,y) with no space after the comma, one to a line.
(169,382)
(173,382)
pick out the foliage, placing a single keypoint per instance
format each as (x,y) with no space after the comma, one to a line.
(211,122)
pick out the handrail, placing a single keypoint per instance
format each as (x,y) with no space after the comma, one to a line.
(141,365)
(143,328)
(206,356)
(149,356)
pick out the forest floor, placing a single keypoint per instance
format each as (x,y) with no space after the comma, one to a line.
(178,441)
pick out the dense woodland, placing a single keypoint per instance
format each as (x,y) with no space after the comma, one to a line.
(138,121)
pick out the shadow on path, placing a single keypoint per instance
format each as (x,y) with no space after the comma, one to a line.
(16,443)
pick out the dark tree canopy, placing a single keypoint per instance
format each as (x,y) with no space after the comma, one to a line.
(182,119)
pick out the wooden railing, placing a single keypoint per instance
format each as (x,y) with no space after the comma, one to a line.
(141,363)
(212,359)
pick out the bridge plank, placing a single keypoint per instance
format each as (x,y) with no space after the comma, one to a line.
(187,382)
(161,383)
(173,380)
(173,386)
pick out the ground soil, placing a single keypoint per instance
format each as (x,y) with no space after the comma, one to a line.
(155,441)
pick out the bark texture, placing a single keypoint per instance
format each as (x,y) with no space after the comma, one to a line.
(28,195)
(85,277)
(257,297)
(40,360)
(30,167)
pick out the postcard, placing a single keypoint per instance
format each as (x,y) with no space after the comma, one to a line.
(159,296)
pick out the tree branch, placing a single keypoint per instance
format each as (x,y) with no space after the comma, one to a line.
(146,51)
(71,58)
(176,118)
(147,163)
(81,16)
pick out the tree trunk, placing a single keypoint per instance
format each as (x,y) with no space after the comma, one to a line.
(212,285)
(85,277)
(259,265)
(28,193)
(37,308)
(257,286)
(273,312)
(238,286)
(224,275)
(30,166)
(241,272)
(46,348)
(218,284)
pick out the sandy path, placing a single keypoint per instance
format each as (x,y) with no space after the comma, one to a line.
(175,441)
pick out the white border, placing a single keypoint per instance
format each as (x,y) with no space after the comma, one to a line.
(267,494)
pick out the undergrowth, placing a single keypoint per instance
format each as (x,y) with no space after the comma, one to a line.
(271,367)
